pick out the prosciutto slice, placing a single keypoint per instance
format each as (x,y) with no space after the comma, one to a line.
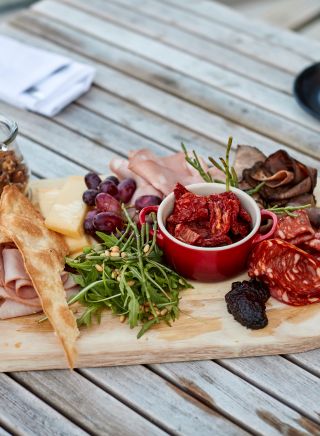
(156,175)
(17,294)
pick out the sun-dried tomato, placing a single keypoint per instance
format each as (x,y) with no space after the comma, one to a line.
(190,207)
(184,233)
(179,190)
(208,221)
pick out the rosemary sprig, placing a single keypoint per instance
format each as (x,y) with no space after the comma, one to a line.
(288,209)
(196,164)
(125,274)
(256,189)
(224,167)
(229,172)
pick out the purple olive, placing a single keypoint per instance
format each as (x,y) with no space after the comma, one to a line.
(91,214)
(106,203)
(92,180)
(88,222)
(147,200)
(108,187)
(113,179)
(89,196)
(126,190)
(107,222)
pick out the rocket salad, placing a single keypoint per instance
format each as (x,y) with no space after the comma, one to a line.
(125,273)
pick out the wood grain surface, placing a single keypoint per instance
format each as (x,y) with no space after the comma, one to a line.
(138,98)
(204,330)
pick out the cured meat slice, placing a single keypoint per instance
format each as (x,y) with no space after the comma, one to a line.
(293,275)
(18,296)
(295,229)
(313,244)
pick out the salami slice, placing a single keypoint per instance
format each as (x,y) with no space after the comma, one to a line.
(295,229)
(293,275)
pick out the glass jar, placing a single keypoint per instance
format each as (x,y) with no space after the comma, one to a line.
(13,169)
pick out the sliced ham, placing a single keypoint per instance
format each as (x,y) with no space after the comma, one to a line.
(156,175)
(120,167)
(17,294)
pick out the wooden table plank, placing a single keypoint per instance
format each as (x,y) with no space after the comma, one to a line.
(162,18)
(23,413)
(59,139)
(237,398)
(145,115)
(231,83)
(161,401)
(281,129)
(312,30)
(89,406)
(281,378)
(291,14)
(124,14)
(237,40)
(214,11)
(169,107)
(40,159)
(309,361)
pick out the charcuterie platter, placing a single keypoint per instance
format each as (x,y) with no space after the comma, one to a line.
(203,329)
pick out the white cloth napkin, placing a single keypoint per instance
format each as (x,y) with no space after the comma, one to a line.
(42,82)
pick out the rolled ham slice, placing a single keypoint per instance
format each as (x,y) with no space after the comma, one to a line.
(17,294)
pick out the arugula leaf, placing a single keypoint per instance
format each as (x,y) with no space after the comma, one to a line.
(136,286)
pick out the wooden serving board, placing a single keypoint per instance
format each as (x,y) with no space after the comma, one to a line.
(205,330)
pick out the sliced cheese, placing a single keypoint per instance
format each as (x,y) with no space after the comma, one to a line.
(36,185)
(46,198)
(76,245)
(68,211)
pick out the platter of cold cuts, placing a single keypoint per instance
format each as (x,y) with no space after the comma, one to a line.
(151,264)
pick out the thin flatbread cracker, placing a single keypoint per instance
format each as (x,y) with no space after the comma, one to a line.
(43,253)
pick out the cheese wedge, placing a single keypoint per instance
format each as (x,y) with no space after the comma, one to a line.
(76,245)
(68,211)
(46,198)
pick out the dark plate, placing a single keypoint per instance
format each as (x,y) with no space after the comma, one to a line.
(306,89)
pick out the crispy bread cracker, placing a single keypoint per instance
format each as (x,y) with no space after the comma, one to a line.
(43,253)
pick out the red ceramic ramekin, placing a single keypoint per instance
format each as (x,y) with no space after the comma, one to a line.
(208,264)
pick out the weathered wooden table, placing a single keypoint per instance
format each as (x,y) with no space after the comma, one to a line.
(166,71)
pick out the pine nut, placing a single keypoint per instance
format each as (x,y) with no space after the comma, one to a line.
(122,318)
(123,254)
(150,317)
(115,249)
(131,282)
(99,268)
(163,312)
(146,248)
(115,254)
(107,253)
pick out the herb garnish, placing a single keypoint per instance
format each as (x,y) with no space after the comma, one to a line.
(224,167)
(288,209)
(125,273)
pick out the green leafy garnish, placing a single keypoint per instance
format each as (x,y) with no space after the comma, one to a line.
(256,189)
(288,209)
(125,273)
(224,167)
(196,164)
